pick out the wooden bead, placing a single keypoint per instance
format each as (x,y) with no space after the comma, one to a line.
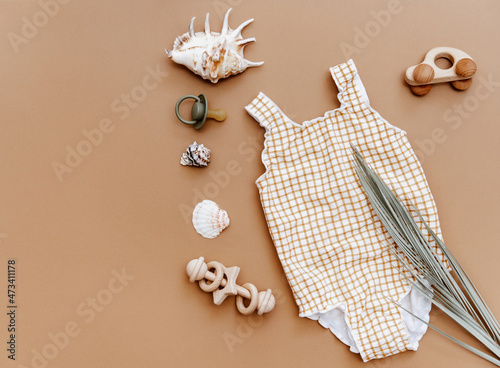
(196,269)
(423,73)
(254,300)
(421,90)
(267,302)
(462,85)
(219,275)
(466,68)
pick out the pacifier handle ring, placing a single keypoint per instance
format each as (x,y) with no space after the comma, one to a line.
(192,122)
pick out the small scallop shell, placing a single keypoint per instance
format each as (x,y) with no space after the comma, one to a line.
(209,219)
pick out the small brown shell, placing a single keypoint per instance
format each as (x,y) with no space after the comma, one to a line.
(196,155)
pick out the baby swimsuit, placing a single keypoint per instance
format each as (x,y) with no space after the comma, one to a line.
(332,246)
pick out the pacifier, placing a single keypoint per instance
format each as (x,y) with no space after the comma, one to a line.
(199,112)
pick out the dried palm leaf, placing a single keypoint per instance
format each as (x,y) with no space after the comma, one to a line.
(424,268)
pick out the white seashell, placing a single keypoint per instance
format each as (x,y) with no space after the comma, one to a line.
(209,219)
(196,155)
(213,55)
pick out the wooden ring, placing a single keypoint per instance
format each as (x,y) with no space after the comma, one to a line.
(254,293)
(219,275)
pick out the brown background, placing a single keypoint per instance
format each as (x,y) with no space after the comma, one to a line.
(122,206)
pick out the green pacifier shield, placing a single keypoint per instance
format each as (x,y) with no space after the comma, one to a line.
(198,111)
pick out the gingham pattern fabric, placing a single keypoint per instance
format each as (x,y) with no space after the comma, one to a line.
(332,246)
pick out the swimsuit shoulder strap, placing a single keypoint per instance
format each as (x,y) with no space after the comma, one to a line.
(352,94)
(265,111)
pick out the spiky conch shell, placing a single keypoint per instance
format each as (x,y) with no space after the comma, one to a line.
(213,55)
(196,155)
(209,219)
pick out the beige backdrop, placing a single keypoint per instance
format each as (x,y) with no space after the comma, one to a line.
(93,77)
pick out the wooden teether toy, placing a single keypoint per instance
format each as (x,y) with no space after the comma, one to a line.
(421,77)
(199,111)
(221,287)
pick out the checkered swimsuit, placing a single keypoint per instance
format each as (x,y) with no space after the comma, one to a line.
(332,246)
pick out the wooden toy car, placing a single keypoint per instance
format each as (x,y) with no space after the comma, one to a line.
(421,77)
